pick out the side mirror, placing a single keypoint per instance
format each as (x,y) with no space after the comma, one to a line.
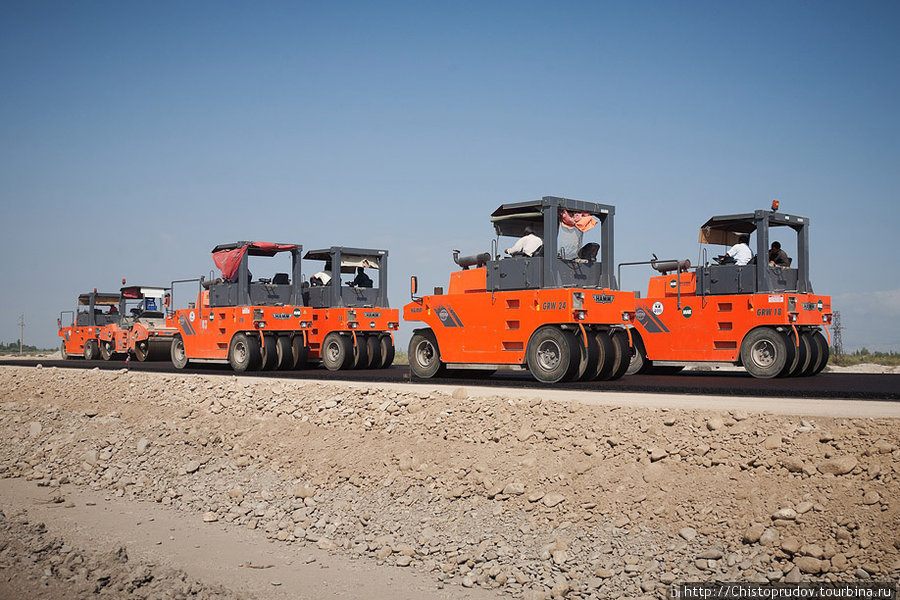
(413,285)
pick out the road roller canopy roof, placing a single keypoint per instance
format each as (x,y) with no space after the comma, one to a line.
(136,292)
(725,229)
(100,299)
(228,256)
(512,219)
(351,258)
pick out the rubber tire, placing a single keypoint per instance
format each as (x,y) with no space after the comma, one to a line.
(623,354)
(142,353)
(606,358)
(299,353)
(553,355)
(387,351)
(62,350)
(243,352)
(824,352)
(424,355)
(177,353)
(337,352)
(771,350)
(373,348)
(360,352)
(268,354)
(107,350)
(639,362)
(284,356)
(801,356)
(589,351)
(91,350)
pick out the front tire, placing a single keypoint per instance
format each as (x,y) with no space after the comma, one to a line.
(764,353)
(337,352)
(424,355)
(243,353)
(62,350)
(553,355)
(177,353)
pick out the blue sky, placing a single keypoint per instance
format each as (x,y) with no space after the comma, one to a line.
(136,136)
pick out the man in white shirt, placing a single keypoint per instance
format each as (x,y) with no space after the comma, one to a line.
(528,244)
(740,252)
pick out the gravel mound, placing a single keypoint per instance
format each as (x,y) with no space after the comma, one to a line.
(534,498)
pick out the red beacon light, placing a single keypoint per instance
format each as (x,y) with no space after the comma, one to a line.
(775,205)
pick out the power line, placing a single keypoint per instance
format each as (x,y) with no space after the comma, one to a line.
(838,342)
(21,331)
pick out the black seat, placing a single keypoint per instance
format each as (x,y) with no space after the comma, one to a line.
(589,251)
(281,279)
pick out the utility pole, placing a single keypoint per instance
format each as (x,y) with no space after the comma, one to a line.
(838,343)
(21,331)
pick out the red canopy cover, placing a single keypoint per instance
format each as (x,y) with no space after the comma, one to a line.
(228,261)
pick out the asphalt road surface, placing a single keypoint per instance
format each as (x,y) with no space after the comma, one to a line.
(732,383)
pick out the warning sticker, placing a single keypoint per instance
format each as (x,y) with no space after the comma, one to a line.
(657,308)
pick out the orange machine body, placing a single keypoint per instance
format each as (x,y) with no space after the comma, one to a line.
(680,325)
(474,325)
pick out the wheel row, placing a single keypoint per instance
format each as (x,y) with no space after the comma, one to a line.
(553,354)
(283,352)
(767,352)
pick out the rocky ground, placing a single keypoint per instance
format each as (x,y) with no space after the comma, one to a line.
(525,496)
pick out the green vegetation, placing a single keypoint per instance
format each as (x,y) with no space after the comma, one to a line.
(13,348)
(400,358)
(858,357)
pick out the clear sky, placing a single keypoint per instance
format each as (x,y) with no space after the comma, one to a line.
(135,136)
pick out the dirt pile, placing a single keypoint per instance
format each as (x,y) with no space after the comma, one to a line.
(40,566)
(533,498)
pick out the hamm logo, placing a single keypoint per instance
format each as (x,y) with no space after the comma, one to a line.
(448,317)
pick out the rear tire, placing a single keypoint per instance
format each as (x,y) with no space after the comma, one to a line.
(373,347)
(764,353)
(606,358)
(243,353)
(824,352)
(623,354)
(142,350)
(553,355)
(337,352)
(91,350)
(387,351)
(424,355)
(299,353)
(589,356)
(638,363)
(177,353)
(107,350)
(268,354)
(284,356)
(801,358)
(360,353)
